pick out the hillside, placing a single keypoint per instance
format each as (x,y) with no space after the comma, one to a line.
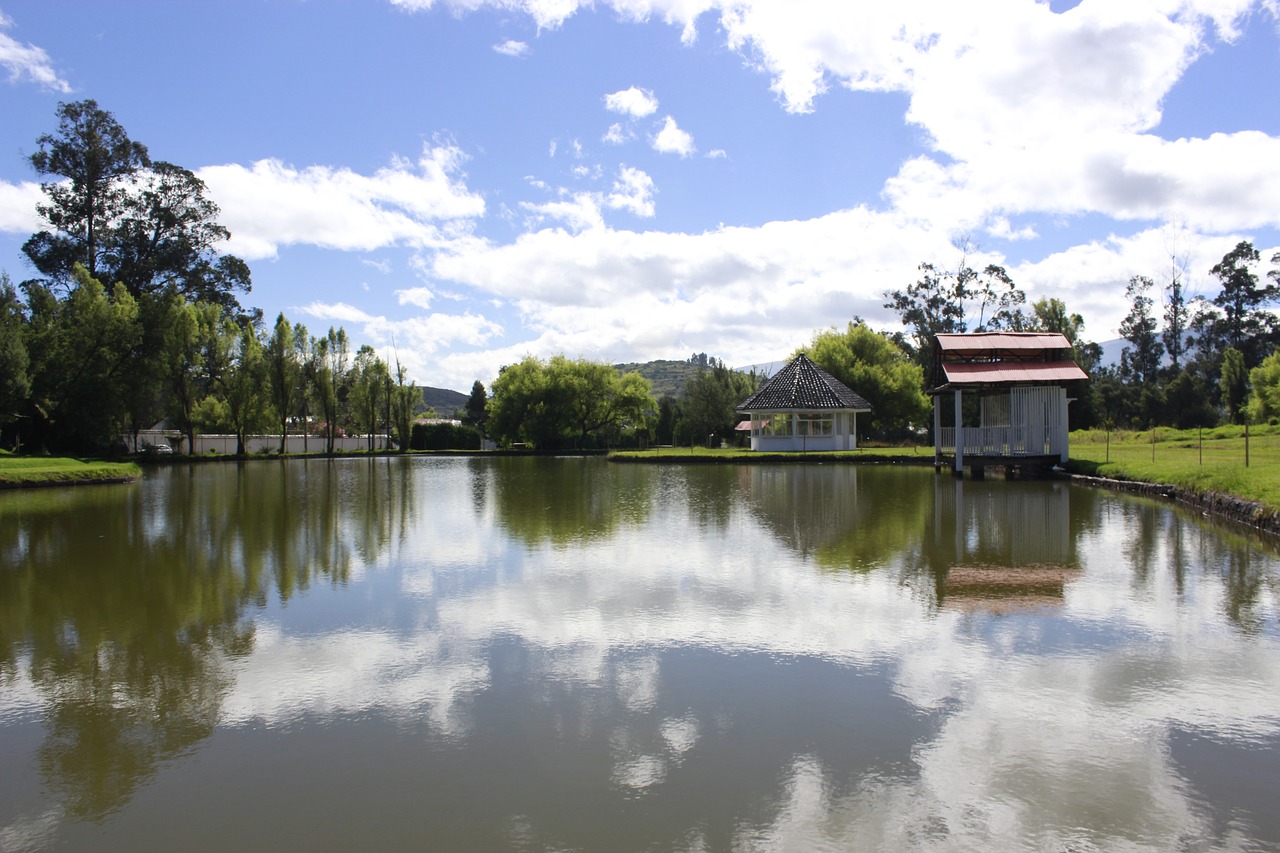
(668,377)
(443,401)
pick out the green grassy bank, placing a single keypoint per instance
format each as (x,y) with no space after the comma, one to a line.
(27,471)
(1199,461)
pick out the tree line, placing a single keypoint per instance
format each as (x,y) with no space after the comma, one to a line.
(135,317)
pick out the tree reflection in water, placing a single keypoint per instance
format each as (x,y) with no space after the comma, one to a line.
(125,604)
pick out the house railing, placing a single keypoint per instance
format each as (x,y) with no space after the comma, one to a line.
(1000,440)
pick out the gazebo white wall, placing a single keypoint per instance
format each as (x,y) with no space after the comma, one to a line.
(766,436)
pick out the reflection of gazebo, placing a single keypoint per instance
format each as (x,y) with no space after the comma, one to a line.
(802,407)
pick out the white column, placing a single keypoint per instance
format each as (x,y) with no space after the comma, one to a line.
(959,434)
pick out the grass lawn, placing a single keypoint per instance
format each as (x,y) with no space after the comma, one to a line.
(54,470)
(1211,460)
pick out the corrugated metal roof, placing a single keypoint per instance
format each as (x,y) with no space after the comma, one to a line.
(805,386)
(1006,372)
(983,341)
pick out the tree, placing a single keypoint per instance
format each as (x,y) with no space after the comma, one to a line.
(192,329)
(369,380)
(876,368)
(78,354)
(402,406)
(97,158)
(284,372)
(1245,324)
(597,399)
(327,372)
(1234,383)
(1264,398)
(476,412)
(945,302)
(15,384)
(243,384)
(1177,317)
(148,225)
(1188,403)
(564,401)
(1140,359)
(708,408)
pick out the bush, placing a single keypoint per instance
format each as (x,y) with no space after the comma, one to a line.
(443,437)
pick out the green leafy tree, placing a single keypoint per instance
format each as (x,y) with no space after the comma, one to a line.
(476,411)
(403,400)
(303,357)
(1187,401)
(1140,359)
(145,391)
(284,373)
(244,385)
(1238,317)
(1234,383)
(875,367)
(369,387)
(563,402)
(93,160)
(78,352)
(944,301)
(15,384)
(189,345)
(708,409)
(148,225)
(1264,396)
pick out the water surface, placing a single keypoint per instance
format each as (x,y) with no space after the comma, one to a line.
(568,654)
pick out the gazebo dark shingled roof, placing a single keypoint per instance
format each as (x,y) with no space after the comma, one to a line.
(805,386)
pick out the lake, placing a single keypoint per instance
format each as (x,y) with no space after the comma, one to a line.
(572,654)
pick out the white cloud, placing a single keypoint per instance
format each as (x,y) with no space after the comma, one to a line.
(632,102)
(513,48)
(419,296)
(414,340)
(272,204)
(28,62)
(633,191)
(617,134)
(672,140)
(18,207)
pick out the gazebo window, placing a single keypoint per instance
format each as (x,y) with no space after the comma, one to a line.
(815,424)
(779,423)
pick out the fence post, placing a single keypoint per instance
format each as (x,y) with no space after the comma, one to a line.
(1246,444)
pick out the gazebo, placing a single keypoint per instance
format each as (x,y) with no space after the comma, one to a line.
(1020,380)
(802,407)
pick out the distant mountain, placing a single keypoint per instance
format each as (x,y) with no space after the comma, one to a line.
(444,401)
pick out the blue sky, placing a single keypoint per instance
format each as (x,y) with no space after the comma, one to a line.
(476,180)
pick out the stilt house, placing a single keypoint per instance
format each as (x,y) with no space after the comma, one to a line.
(1020,381)
(802,407)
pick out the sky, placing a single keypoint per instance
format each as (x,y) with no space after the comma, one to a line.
(462,183)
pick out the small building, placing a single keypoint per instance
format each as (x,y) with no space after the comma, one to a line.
(802,407)
(1020,381)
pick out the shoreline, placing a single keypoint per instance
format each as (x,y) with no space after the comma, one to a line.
(1217,505)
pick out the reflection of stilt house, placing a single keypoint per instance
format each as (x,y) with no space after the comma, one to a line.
(1020,381)
(1011,546)
(802,407)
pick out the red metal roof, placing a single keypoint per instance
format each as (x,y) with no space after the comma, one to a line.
(979,342)
(1012,373)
